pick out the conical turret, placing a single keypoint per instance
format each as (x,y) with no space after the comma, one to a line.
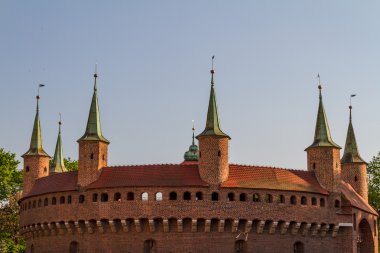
(36,147)
(93,131)
(58,164)
(351,151)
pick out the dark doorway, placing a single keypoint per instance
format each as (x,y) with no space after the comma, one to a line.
(365,240)
(299,247)
(74,247)
(149,246)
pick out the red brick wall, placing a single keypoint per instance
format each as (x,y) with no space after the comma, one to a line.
(89,168)
(213,159)
(356,175)
(325,162)
(38,167)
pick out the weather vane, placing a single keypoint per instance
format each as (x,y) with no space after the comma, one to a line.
(38,90)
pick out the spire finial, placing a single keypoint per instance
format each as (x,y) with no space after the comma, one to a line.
(350,107)
(212,70)
(193,132)
(95,75)
(319,86)
(60,122)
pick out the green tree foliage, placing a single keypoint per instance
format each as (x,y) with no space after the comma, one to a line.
(373,171)
(71,165)
(10,177)
(10,186)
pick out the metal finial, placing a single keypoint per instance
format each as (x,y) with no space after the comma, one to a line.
(193,132)
(38,90)
(212,70)
(95,76)
(60,119)
(350,107)
(319,86)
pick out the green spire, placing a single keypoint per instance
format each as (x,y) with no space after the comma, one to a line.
(322,136)
(93,131)
(57,163)
(192,153)
(351,152)
(36,147)
(212,122)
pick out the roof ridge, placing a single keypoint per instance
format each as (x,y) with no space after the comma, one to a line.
(143,165)
(267,166)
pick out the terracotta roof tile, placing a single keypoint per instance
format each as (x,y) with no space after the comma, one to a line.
(258,177)
(355,199)
(57,182)
(149,175)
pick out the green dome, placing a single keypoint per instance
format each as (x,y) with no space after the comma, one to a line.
(192,153)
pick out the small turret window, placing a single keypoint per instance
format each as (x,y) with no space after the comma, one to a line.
(198,196)
(130,196)
(62,200)
(94,197)
(103,157)
(313,201)
(268,198)
(293,200)
(231,196)
(117,196)
(69,199)
(144,196)
(45,169)
(281,199)
(53,201)
(256,197)
(219,153)
(92,156)
(214,196)
(243,197)
(186,196)
(27,169)
(173,196)
(313,166)
(104,197)
(303,200)
(34,204)
(322,202)
(81,199)
(337,203)
(356,178)
(159,196)
(46,202)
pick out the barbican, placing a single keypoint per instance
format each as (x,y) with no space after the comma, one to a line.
(204,204)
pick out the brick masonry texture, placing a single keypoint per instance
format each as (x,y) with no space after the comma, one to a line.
(356,175)
(34,167)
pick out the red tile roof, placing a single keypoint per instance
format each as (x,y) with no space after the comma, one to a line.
(149,175)
(57,182)
(355,199)
(257,177)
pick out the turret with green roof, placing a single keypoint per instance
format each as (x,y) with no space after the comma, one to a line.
(58,164)
(192,153)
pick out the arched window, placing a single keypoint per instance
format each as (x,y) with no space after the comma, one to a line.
(159,196)
(53,201)
(32,249)
(215,196)
(69,199)
(313,201)
(104,197)
(268,198)
(256,197)
(117,196)
(149,246)
(313,166)
(94,197)
(62,200)
(130,196)
(293,200)
(356,178)
(240,246)
(30,205)
(303,200)
(144,196)
(34,204)
(231,196)
(299,247)
(219,153)
(27,168)
(337,203)
(186,196)
(281,199)
(81,199)
(173,196)
(198,196)
(322,202)
(39,203)
(243,197)
(74,247)
(46,202)
(92,156)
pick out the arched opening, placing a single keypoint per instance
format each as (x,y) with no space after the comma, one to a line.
(356,178)
(268,198)
(81,199)
(62,200)
(186,196)
(94,197)
(231,196)
(281,199)
(39,203)
(32,249)
(150,246)
(322,202)
(198,196)
(159,196)
(104,197)
(243,197)
(92,156)
(173,196)
(74,247)
(214,196)
(313,201)
(69,199)
(117,196)
(256,197)
(27,170)
(293,200)
(240,246)
(337,203)
(144,196)
(130,196)
(219,153)
(365,242)
(299,247)
(34,204)
(46,202)
(303,200)
(53,201)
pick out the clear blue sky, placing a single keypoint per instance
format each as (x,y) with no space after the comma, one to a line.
(153,63)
